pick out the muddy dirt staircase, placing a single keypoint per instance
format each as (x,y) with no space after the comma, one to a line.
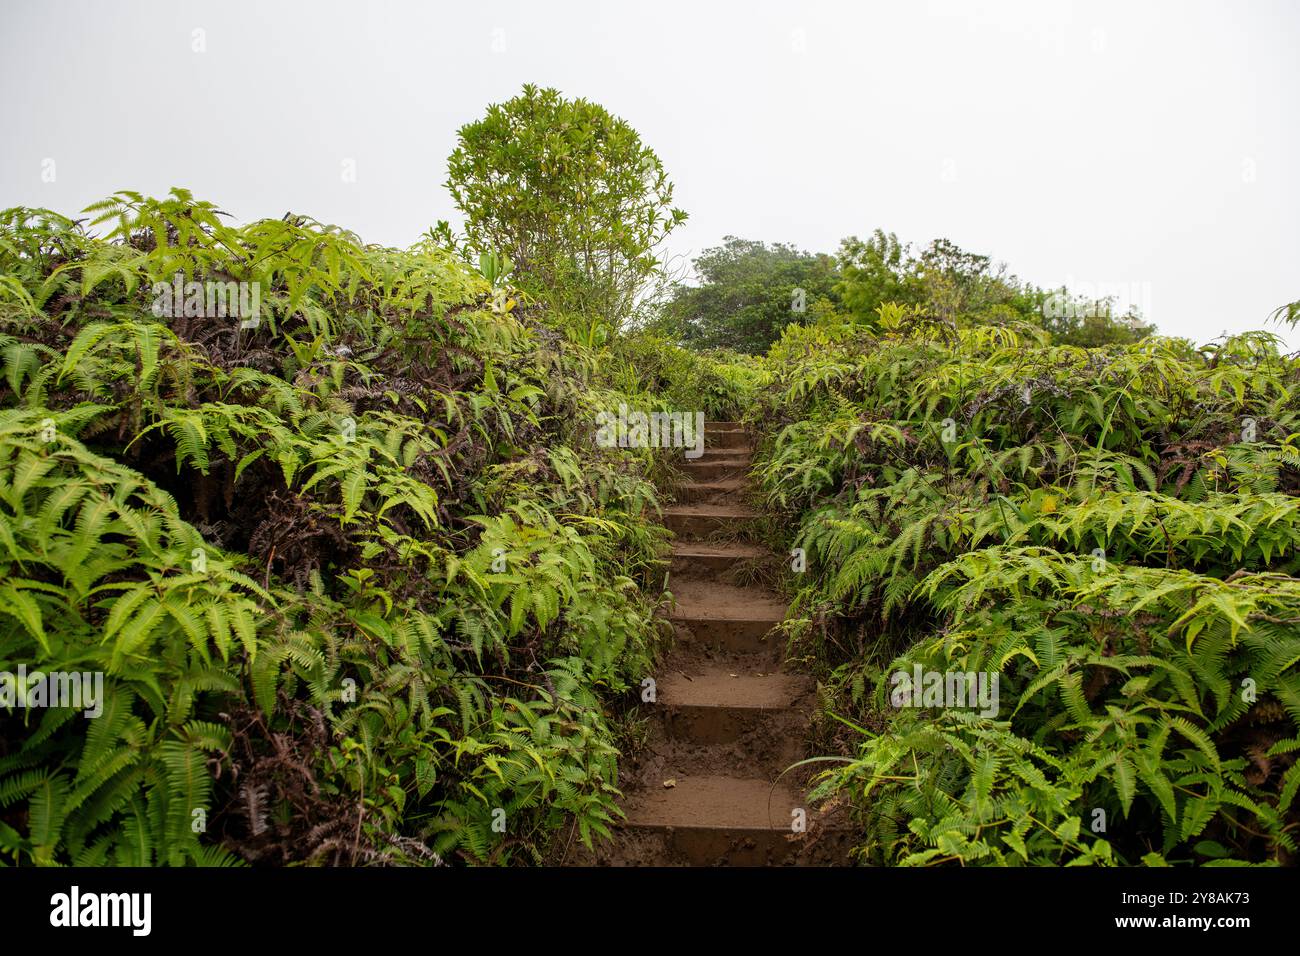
(728,717)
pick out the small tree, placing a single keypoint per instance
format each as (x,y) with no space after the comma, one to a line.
(874,272)
(571,194)
(748,292)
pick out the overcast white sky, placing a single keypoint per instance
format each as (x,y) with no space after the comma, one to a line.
(1149,145)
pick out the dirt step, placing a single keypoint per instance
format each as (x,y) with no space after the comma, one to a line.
(722,704)
(725,616)
(766,749)
(738,458)
(708,722)
(725,803)
(726,438)
(713,452)
(709,469)
(721,820)
(703,520)
(730,687)
(714,601)
(703,559)
(711,492)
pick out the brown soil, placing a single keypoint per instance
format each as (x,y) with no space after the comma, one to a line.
(713,785)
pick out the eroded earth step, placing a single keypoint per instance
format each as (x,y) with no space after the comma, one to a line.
(725,702)
(725,616)
(725,437)
(709,469)
(703,520)
(710,820)
(701,559)
(710,492)
(713,451)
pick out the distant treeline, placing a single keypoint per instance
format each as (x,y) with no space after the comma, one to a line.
(748,291)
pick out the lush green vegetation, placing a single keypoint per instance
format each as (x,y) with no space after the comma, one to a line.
(358,576)
(1113,532)
(365,588)
(747,293)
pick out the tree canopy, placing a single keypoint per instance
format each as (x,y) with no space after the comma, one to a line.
(570,194)
(748,292)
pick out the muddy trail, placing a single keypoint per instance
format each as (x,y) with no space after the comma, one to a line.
(708,787)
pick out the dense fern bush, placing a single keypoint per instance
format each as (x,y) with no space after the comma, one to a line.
(1114,532)
(361,582)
